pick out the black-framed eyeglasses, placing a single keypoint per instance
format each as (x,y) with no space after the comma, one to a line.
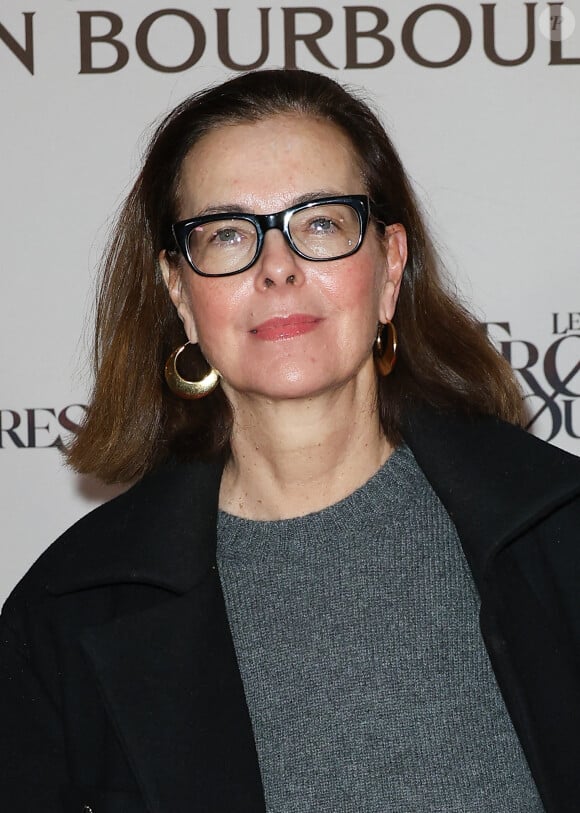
(219,245)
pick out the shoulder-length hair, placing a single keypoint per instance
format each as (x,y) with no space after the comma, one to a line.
(134,422)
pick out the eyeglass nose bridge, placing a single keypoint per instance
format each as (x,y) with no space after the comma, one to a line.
(277,220)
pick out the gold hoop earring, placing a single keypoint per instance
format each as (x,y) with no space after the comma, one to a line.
(189,390)
(385,353)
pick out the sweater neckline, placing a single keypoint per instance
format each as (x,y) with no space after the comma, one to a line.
(399,480)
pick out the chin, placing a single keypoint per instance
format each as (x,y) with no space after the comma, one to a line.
(275,388)
(290,380)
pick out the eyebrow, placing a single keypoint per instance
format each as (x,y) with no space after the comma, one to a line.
(230,208)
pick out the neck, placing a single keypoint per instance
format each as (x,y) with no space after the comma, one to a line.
(290,458)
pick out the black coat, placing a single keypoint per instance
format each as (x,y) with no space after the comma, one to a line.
(119,687)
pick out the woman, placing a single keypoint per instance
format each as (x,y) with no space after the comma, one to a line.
(283,613)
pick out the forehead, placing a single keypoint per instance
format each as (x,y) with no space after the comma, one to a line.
(264,166)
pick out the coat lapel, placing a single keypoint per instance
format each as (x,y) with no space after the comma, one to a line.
(500,485)
(494,480)
(168,674)
(161,532)
(170,681)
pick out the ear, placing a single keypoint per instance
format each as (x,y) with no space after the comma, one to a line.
(173,278)
(395,242)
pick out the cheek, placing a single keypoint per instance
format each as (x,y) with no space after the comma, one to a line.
(357,287)
(215,304)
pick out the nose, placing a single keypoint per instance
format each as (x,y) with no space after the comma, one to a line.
(277,264)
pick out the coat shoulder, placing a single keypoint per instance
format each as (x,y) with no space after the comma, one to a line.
(158,532)
(100,522)
(495,480)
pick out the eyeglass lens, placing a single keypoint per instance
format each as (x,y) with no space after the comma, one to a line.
(320,232)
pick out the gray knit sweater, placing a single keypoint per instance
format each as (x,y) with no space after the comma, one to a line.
(367,681)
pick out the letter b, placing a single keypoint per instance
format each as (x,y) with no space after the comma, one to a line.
(87,39)
(353,34)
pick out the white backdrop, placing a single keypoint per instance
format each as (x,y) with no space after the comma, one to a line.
(493,149)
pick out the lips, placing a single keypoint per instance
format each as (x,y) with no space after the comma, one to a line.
(285,327)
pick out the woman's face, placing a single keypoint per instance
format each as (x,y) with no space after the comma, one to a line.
(328,310)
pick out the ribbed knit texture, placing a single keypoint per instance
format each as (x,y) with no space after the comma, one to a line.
(367,681)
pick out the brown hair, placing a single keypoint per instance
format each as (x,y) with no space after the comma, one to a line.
(134,421)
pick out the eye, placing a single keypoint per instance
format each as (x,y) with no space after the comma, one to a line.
(227,236)
(322,225)
(323,220)
(224,234)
